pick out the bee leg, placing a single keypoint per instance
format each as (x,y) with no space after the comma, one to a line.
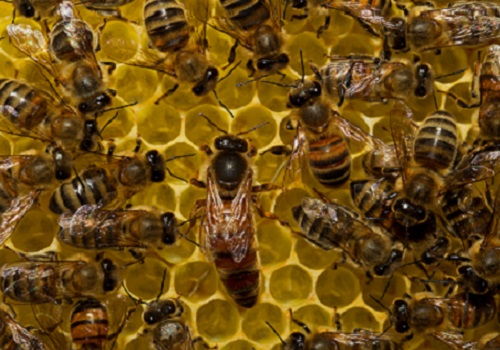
(323,27)
(402,8)
(369,277)
(167,93)
(461,102)
(264,188)
(266,214)
(366,26)
(111,66)
(232,55)
(278,150)
(202,341)
(251,68)
(198,183)
(115,334)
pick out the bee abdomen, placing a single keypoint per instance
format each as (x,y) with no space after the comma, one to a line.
(481,309)
(436,142)
(21,104)
(93,186)
(166,25)
(241,279)
(89,323)
(246,14)
(330,160)
(71,40)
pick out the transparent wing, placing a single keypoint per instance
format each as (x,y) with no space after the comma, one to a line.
(18,209)
(466,176)
(403,134)
(23,337)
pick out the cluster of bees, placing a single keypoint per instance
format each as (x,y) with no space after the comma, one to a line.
(428,199)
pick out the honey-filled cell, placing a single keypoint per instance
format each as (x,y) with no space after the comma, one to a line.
(135,84)
(118,41)
(35,232)
(239,345)
(158,195)
(274,243)
(314,257)
(144,279)
(217,320)
(199,131)
(235,91)
(254,116)
(182,159)
(158,124)
(359,317)
(254,322)
(337,287)
(313,316)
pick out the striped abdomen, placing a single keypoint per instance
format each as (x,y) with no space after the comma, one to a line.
(246,14)
(71,40)
(93,186)
(467,212)
(21,104)
(30,282)
(241,279)
(166,25)
(436,142)
(330,160)
(374,198)
(468,310)
(489,111)
(89,324)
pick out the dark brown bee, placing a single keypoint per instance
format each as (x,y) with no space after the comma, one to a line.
(256,25)
(371,79)
(90,325)
(332,226)
(92,227)
(35,113)
(462,23)
(61,282)
(13,336)
(69,56)
(227,232)
(462,311)
(110,184)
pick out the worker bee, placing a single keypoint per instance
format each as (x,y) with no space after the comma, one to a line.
(373,80)
(459,312)
(90,325)
(331,226)
(92,227)
(63,280)
(462,23)
(69,56)
(110,184)
(227,231)
(13,336)
(257,27)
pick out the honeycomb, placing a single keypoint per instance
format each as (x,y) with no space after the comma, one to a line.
(296,275)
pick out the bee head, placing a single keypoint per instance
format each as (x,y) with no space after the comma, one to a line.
(208,83)
(97,103)
(63,163)
(273,64)
(161,310)
(397,34)
(110,280)
(423,75)
(407,213)
(157,164)
(90,132)
(25,8)
(296,341)
(230,143)
(299,4)
(169,228)
(401,314)
(304,92)
(388,267)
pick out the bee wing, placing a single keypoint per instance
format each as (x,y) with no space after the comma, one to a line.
(465,176)
(212,222)
(354,132)
(198,20)
(18,209)
(223,24)
(23,337)
(453,340)
(32,43)
(47,315)
(403,134)
(276,11)
(145,59)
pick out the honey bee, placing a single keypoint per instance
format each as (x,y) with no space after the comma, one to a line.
(90,325)
(63,281)
(69,57)
(92,227)
(256,26)
(13,336)
(36,114)
(111,183)
(462,311)
(227,231)
(462,23)
(331,226)
(382,163)
(374,80)
(35,8)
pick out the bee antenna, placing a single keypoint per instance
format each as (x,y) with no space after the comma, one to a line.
(222,104)
(302,66)
(177,157)
(134,299)
(451,74)
(162,285)
(435,99)
(120,107)
(189,220)
(275,332)
(213,124)
(286,7)
(252,129)
(229,73)
(107,123)
(382,305)
(252,80)
(299,323)
(279,84)
(189,239)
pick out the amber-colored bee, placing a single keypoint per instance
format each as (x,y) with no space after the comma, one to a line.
(13,336)
(69,56)
(462,23)
(332,226)
(459,312)
(371,79)
(227,232)
(61,282)
(92,227)
(90,325)
(109,184)
(256,25)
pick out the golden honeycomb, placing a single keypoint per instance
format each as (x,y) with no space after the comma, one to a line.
(296,275)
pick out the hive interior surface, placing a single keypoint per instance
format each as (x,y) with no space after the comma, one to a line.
(295,274)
